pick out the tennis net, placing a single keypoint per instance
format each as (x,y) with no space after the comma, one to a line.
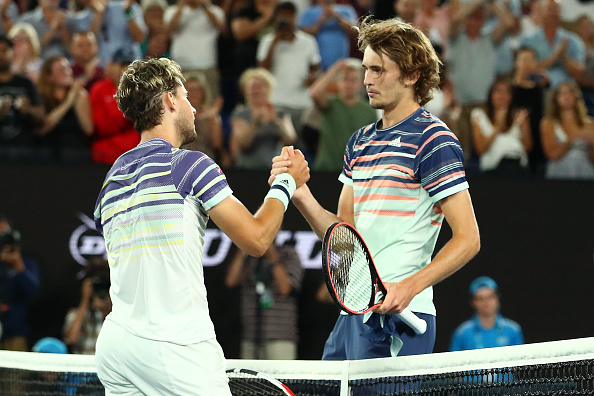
(552,368)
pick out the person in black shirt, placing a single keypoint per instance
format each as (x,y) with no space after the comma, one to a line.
(21,110)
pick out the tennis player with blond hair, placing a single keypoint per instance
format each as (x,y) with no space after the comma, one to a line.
(402,176)
(152,211)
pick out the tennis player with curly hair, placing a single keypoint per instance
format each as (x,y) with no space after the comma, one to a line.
(402,176)
(152,211)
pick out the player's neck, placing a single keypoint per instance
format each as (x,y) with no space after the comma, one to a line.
(401,111)
(163,132)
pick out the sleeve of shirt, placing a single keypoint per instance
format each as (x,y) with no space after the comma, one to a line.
(139,17)
(264,47)
(576,49)
(308,18)
(196,174)
(168,14)
(346,177)
(314,56)
(439,163)
(349,12)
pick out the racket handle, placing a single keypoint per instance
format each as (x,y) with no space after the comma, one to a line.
(413,321)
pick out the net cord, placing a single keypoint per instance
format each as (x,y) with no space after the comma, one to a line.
(520,355)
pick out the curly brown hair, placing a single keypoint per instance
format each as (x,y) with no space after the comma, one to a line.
(406,46)
(141,89)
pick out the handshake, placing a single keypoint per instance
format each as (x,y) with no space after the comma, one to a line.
(290,161)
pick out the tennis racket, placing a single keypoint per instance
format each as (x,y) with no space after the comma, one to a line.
(244,382)
(351,276)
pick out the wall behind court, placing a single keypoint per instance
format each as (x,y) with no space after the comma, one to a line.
(537,242)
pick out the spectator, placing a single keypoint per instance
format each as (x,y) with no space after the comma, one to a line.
(471,60)
(85,57)
(434,20)
(26,50)
(83,323)
(341,114)
(49,345)
(292,57)
(529,84)
(568,135)
(194,26)
(487,329)
(269,288)
(573,9)
(531,21)
(207,120)
(258,129)
(559,51)
(331,24)
(116,24)
(68,120)
(501,134)
(406,10)
(248,26)
(585,30)
(114,134)
(9,12)
(157,41)
(21,110)
(53,25)
(19,283)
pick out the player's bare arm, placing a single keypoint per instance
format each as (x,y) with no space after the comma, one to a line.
(463,246)
(254,233)
(318,218)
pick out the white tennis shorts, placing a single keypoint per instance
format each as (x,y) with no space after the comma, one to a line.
(131,365)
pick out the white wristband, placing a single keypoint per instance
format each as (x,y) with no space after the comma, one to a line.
(282,188)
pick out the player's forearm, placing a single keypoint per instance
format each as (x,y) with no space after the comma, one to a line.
(319,219)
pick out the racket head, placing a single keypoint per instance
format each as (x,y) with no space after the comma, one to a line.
(349,271)
(245,382)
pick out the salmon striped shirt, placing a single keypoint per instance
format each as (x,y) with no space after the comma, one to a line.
(399,175)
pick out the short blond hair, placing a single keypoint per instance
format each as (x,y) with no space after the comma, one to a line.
(31,33)
(257,72)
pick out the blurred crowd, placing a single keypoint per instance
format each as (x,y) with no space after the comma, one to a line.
(517,82)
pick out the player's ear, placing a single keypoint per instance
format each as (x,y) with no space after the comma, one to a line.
(169,101)
(411,79)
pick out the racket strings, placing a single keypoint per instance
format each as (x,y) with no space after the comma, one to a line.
(349,268)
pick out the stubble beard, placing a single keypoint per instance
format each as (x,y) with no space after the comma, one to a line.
(186,129)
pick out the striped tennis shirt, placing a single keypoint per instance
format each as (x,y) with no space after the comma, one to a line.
(399,175)
(152,212)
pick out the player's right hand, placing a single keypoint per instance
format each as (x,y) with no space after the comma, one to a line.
(299,168)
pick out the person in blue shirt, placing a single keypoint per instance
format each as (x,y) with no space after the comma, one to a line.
(19,283)
(487,329)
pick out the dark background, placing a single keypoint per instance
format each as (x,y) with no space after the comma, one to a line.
(537,243)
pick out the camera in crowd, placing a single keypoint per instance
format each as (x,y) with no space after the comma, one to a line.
(101,285)
(282,25)
(10,239)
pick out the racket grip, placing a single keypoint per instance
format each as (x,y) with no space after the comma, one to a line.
(413,321)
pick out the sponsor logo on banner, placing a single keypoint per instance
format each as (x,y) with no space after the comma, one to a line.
(86,242)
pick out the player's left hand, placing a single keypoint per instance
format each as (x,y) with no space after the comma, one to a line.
(397,299)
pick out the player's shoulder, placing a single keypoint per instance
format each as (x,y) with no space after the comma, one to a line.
(190,160)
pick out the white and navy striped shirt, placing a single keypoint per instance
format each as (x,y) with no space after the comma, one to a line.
(152,212)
